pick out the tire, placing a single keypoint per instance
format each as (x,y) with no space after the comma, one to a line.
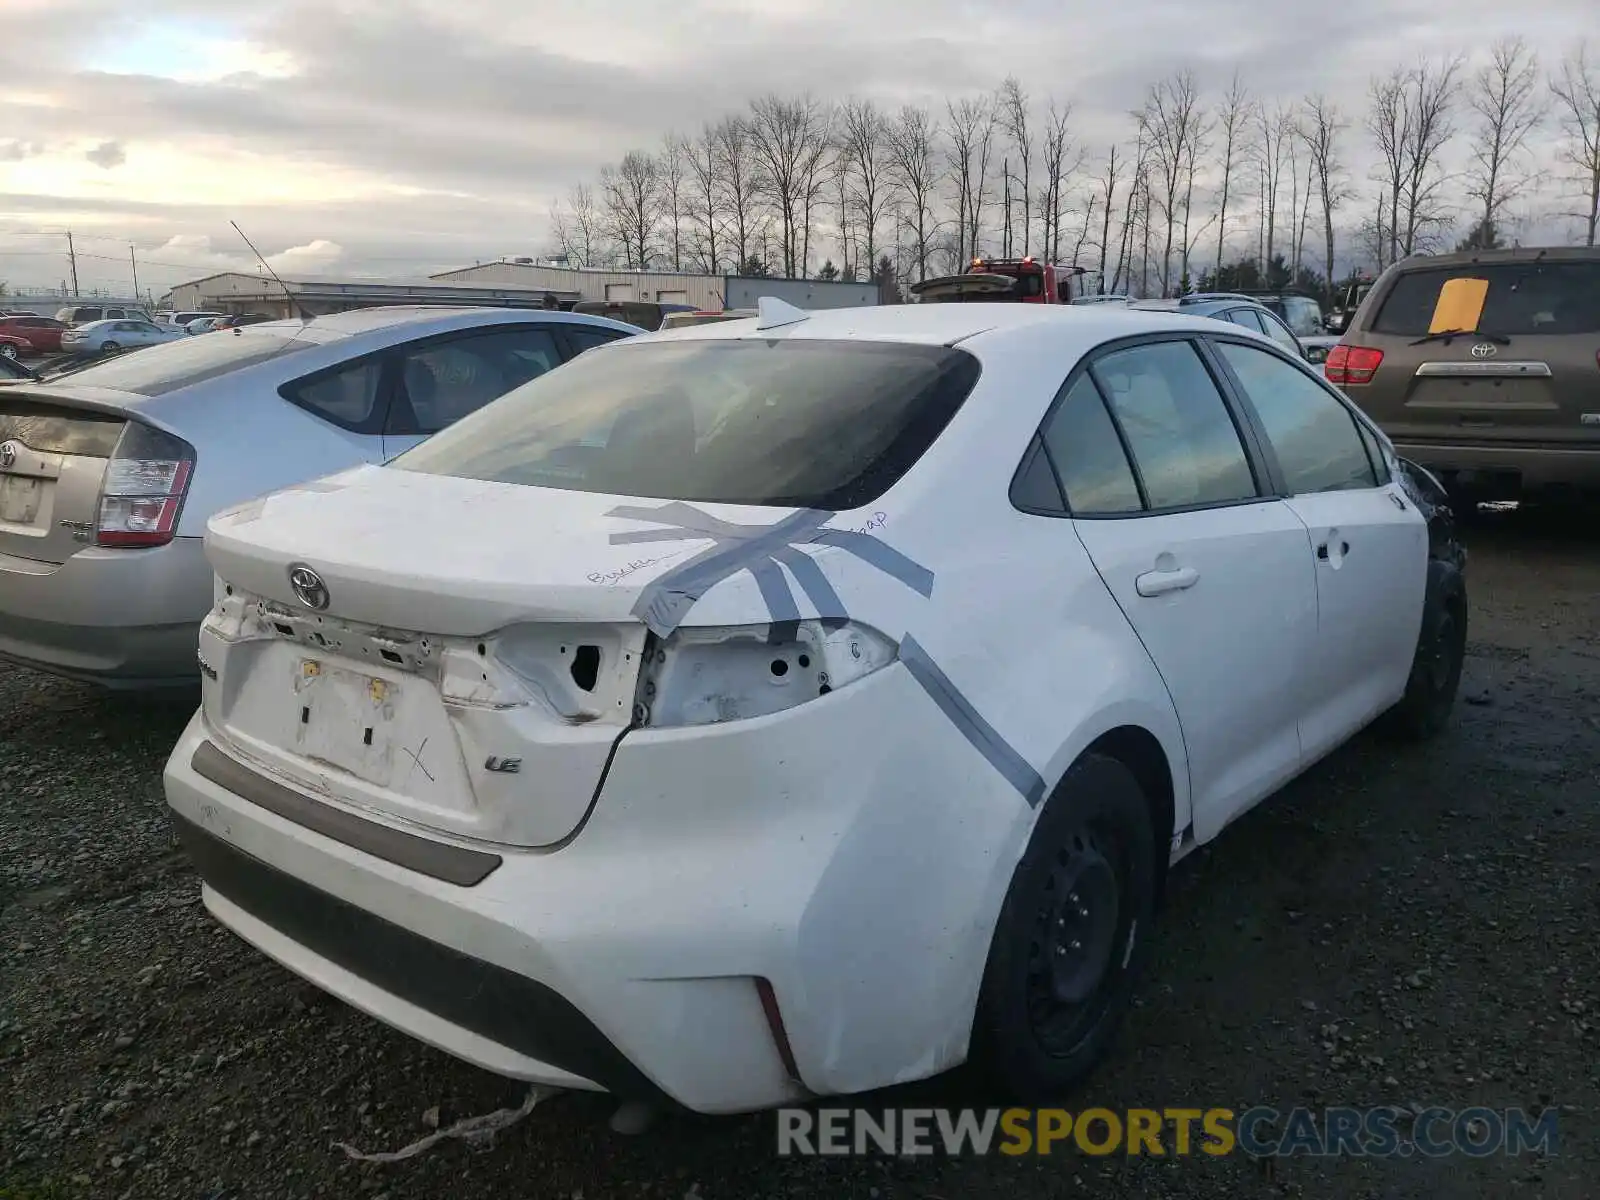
(7,350)
(1424,710)
(1040,1029)
(109,348)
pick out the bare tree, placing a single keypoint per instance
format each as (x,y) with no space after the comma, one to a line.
(1432,89)
(740,183)
(705,199)
(788,145)
(1014,110)
(1275,130)
(815,167)
(1108,180)
(674,196)
(844,209)
(1233,120)
(1292,147)
(865,139)
(972,121)
(1173,123)
(1506,97)
(1577,96)
(577,229)
(631,202)
(1060,163)
(1389,122)
(1321,129)
(913,166)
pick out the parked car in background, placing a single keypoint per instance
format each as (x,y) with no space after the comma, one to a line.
(83,314)
(113,337)
(1238,309)
(1485,367)
(1108,298)
(116,466)
(43,333)
(683,320)
(453,767)
(646,314)
(202,324)
(181,318)
(12,346)
(239,321)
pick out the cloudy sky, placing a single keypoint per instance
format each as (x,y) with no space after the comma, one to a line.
(400,137)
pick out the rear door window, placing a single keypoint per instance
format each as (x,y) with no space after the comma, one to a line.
(1248,318)
(1279,332)
(1174,420)
(1523,299)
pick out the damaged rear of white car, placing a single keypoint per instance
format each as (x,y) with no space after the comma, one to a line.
(721,720)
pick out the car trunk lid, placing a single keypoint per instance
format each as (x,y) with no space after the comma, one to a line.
(473,662)
(53,457)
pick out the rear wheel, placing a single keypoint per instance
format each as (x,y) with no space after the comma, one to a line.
(1071,937)
(109,348)
(7,350)
(1441,653)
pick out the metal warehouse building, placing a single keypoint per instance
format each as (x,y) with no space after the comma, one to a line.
(239,292)
(663,287)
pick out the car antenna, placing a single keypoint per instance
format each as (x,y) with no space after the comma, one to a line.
(288,295)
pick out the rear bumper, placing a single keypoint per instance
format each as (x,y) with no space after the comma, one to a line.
(122,618)
(628,960)
(1533,467)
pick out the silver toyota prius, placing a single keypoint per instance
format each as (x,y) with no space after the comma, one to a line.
(109,473)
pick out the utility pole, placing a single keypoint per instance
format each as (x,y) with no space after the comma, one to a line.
(135,263)
(72,257)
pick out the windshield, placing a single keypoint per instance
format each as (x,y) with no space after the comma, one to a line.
(813,424)
(169,366)
(1522,299)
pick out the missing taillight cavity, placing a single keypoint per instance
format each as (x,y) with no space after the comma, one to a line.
(143,489)
(586,667)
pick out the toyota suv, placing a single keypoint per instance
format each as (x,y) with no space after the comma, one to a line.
(1485,368)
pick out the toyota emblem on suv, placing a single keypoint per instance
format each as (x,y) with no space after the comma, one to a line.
(308,587)
(8,455)
(1484,350)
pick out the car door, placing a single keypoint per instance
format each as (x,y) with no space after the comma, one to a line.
(1213,573)
(1370,542)
(441,380)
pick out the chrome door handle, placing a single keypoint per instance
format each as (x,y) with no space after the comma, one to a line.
(1159,583)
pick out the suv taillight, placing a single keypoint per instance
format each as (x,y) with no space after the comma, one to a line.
(1352,364)
(144,487)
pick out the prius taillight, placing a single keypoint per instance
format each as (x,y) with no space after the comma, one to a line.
(142,492)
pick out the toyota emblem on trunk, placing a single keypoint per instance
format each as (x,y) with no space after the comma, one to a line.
(8,455)
(1484,350)
(308,586)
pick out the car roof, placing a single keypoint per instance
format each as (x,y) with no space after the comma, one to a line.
(1519,254)
(419,320)
(986,325)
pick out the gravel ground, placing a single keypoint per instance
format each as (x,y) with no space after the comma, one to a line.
(1405,927)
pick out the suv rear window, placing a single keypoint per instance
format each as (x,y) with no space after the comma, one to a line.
(163,368)
(811,424)
(1524,299)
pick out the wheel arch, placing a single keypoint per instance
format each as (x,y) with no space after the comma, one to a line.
(1141,752)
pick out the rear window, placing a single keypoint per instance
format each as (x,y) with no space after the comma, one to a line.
(811,424)
(156,370)
(1523,299)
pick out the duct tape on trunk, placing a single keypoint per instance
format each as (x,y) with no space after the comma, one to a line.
(763,550)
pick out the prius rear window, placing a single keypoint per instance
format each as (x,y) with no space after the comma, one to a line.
(813,424)
(1524,299)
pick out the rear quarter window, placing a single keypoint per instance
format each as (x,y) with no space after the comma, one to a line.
(1524,299)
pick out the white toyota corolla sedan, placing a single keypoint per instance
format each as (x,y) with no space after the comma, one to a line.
(802,704)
